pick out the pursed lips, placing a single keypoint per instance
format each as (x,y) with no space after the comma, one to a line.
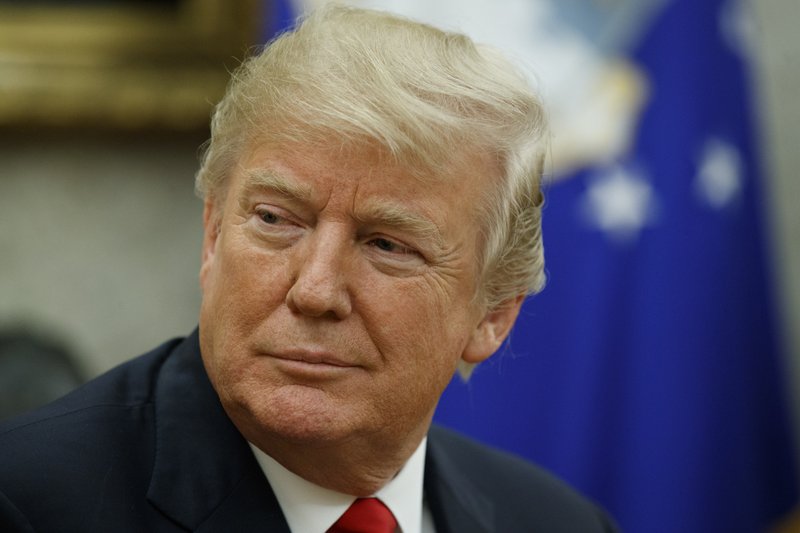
(312,357)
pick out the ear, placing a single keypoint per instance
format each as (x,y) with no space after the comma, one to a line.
(492,330)
(211,222)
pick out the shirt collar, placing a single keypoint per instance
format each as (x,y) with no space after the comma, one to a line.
(313,509)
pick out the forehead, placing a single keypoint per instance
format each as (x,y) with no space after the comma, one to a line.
(314,173)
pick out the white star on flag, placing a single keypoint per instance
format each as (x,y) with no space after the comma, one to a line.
(619,202)
(719,176)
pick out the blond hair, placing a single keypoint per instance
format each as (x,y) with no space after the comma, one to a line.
(362,76)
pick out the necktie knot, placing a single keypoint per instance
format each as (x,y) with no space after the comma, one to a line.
(366,515)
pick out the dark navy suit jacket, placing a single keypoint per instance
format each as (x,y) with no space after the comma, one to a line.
(147,447)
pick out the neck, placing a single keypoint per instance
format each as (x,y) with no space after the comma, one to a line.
(356,468)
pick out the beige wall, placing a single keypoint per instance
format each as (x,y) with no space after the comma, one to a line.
(99,240)
(778,83)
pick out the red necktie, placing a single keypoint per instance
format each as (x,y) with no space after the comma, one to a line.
(366,515)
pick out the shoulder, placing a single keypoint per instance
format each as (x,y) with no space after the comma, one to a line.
(74,450)
(524,495)
(126,386)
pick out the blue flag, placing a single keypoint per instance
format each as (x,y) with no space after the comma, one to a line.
(648,372)
(277,17)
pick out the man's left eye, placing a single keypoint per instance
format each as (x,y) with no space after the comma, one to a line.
(386,245)
(269,217)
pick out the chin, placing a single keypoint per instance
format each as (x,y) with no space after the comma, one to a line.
(292,414)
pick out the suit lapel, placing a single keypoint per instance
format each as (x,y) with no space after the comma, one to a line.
(455,502)
(205,477)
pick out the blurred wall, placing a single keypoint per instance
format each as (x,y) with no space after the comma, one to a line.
(778,84)
(100,240)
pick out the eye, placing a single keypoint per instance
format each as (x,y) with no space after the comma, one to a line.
(391,247)
(272,216)
(269,217)
(385,244)
(393,257)
(275,224)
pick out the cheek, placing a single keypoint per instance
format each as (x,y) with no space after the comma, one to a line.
(432,311)
(247,282)
(241,290)
(420,334)
(419,365)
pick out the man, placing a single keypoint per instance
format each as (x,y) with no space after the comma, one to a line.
(372,215)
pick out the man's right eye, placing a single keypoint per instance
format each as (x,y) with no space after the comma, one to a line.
(275,225)
(274,216)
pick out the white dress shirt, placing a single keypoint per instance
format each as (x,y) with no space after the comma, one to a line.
(309,508)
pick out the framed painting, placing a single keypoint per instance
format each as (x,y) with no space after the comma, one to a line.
(119,64)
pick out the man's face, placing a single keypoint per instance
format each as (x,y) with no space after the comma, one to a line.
(338,294)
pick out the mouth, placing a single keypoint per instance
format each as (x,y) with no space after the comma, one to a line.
(311,363)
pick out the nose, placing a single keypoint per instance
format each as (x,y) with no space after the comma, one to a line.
(320,287)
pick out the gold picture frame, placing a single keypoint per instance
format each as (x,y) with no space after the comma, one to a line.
(120,64)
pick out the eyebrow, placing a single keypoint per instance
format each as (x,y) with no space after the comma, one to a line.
(397,217)
(265,179)
(378,213)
